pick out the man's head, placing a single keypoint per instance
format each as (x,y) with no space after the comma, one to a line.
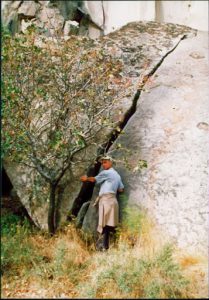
(106,162)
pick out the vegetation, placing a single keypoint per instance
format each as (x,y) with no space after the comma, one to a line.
(58,99)
(34,265)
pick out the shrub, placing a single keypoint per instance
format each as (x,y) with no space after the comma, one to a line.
(9,223)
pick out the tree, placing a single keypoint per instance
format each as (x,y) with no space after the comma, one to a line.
(58,99)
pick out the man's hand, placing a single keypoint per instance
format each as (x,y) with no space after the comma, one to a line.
(83,178)
(120,190)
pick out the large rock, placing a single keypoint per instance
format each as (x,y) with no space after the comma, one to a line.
(141,46)
(22,180)
(28,8)
(170,131)
(50,20)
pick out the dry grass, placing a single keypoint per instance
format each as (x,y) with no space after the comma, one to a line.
(61,265)
(139,264)
(195,267)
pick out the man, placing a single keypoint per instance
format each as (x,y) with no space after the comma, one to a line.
(111,183)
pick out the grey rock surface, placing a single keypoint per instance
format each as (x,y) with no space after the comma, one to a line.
(170,131)
(81,214)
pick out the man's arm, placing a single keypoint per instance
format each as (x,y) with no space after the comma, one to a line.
(85,178)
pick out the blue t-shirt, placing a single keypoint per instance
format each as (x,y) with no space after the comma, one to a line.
(110,181)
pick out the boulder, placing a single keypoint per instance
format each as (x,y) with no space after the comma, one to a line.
(50,19)
(28,8)
(170,132)
(71,27)
(141,46)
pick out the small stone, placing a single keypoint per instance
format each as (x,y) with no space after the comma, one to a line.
(203,126)
(196,55)
(71,27)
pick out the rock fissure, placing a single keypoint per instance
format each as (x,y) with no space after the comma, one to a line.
(86,191)
(103,13)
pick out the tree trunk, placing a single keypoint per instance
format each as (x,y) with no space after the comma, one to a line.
(51,212)
(60,191)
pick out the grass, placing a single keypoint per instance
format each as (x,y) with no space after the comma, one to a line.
(138,264)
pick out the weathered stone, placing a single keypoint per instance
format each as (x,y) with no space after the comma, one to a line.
(51,19)
(94,32)
(28,8)
(90,221)
(81,214)
(22,180)
(8,9)
(71,27)
(170,131)
(15,4)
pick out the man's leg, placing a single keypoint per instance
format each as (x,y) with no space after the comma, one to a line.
(103,243)
(106,233)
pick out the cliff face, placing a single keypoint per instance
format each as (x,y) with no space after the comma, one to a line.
(165,93)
